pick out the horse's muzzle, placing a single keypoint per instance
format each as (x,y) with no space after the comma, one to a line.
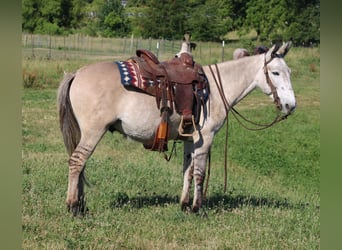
(288,109)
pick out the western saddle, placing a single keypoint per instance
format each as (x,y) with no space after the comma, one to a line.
(178,83)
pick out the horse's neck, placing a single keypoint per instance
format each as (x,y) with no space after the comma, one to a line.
(238,77)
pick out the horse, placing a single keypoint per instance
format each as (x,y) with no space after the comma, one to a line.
(239,53)
(260,49)
(92,101)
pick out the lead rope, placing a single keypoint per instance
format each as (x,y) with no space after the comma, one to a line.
(226,105)
(225,165)
(278,118)
(173,150)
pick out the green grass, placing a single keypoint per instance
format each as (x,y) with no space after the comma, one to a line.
(272,199)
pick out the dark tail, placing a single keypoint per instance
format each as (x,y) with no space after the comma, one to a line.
(68,123)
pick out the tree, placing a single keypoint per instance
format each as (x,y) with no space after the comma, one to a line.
(267,18)
(284,19)
(238,13)
(29,11)
(304,26)
(210,21)
(112,21)
(206,20)
(164,18)
(52,16)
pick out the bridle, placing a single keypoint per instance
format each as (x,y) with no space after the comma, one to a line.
(269,82)
(238,116)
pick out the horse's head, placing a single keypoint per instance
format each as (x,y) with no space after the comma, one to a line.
(276,78)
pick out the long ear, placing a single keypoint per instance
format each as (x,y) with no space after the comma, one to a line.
(284,49)
(272,51)
(287,48)
(187,37)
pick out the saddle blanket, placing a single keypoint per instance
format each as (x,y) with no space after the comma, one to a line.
(130,75)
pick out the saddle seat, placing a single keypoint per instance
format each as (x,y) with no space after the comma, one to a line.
(178,82)
(178,70)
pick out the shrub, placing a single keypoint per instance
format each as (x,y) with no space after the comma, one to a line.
(29,79)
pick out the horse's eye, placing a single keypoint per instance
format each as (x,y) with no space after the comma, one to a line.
(275,73)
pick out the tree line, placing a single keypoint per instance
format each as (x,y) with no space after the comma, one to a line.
(205,20)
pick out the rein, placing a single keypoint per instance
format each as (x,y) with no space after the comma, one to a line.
(237,115)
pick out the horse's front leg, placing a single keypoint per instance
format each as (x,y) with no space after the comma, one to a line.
(188,169)
(200,156)
(200,161)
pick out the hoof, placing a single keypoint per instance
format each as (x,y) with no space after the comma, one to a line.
(185,207)
(196,205)
(77,209)
(195,209)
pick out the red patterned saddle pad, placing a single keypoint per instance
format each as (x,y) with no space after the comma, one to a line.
(130,75)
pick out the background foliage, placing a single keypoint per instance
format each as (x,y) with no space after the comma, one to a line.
(206,20)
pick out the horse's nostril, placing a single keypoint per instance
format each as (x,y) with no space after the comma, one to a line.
(289,108)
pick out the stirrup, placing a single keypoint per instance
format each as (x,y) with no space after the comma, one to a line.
(181,130)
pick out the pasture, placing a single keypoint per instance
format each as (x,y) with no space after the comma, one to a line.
(272,199)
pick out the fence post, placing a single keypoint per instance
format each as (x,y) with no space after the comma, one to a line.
(124,47)
(157,48)
(25,40)
(222,50)
(64,47)
(137,42)
(49,53)
(209,50)
(32,40)
(132,41)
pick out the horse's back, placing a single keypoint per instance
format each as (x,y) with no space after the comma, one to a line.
(97,75)
(95,93)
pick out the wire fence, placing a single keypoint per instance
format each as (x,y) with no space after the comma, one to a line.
(80,46)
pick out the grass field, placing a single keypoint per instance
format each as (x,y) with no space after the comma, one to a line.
(272,199)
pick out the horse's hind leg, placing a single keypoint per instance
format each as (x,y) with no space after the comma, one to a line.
(75,195)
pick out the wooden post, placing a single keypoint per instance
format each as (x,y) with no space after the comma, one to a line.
(209,50)
(49,54)
(124,46)
(222,50)
(32,40)
(64,47)
(157,54)
(132,41)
